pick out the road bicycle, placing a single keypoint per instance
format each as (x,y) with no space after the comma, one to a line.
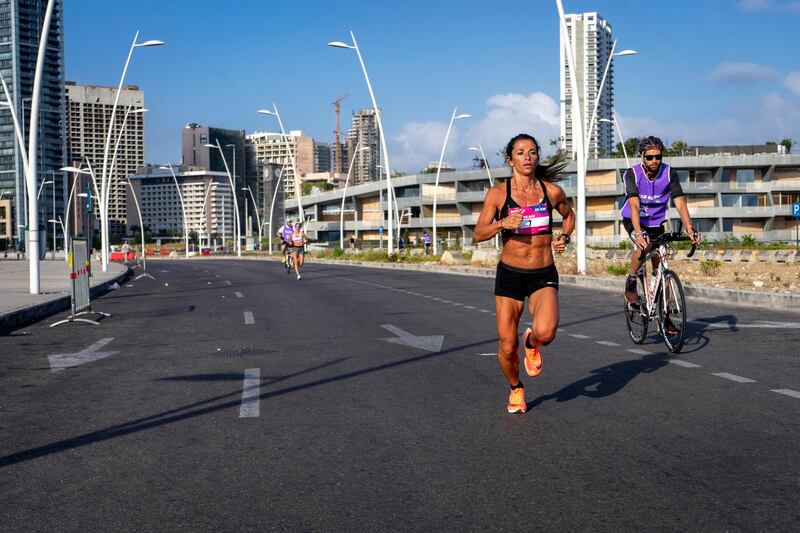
(661,297)
(289,262)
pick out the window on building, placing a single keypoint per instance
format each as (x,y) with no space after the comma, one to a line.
(745,175)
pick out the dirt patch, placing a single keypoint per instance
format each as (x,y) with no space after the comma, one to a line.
(754,276)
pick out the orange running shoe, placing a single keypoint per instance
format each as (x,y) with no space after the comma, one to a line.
(516,401)
(533,359)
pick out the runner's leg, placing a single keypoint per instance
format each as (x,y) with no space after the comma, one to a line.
(508,311)
(543,307)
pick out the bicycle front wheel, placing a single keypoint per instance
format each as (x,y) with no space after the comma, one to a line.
(636,314)
(672,312)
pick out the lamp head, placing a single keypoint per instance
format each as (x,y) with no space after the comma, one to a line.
(462,115)
(266,112)
(626,53)
(151,42)
(339,44)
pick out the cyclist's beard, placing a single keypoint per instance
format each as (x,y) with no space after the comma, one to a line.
(653,172)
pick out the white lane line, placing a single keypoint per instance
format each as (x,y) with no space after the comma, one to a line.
(733,377)
(248,318)
(787,392)
(239,294)
(606,343)
(684,364)
(487,354)
(561,330)
(639,352)
(579,336)
(437,299)
(484,310)
(446,301)
(227,283)
(469,307)
(456,303)
(217,275)
(250,402)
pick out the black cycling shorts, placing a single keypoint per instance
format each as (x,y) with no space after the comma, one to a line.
(652,232)
(519,283)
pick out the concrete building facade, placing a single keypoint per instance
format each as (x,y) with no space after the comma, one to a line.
(364,132)
(726,194)
(88,116)
(272,148)
(590,36)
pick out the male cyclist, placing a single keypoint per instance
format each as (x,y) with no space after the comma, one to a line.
(648,189)
(285,235)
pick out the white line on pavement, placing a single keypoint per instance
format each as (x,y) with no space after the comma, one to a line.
(446,301)
(469,307)
(248,318)
(227,283)
(456,303)
(606,343)
(639,352)
(787,392)
(487,354)
(239,294)
(250,402)
(579,336)
(733,377)
(484,311)
(684,364)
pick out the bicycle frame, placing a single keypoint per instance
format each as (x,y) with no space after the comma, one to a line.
(663,253)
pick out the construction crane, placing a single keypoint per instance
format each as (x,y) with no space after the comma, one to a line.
(338,153)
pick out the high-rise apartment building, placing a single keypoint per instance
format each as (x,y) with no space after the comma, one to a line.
(323,157)
(88,116)
(590,36)
(20,27)
(272,148)
(364,132)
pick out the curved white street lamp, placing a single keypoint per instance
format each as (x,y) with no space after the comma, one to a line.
(53,221)
(258,218)
(168,166)
(272,205)
(381,132)
(298,192)
(453,118)
(600,91)
(105,175)
(358,148)
(621,139)
(479,148)
(233,193)
(238,245)
(144,273)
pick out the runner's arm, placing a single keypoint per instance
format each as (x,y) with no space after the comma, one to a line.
(487,227)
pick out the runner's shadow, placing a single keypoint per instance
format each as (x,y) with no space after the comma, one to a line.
(605,381)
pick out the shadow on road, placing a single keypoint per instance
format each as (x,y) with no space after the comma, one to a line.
(605,381)
(212,405)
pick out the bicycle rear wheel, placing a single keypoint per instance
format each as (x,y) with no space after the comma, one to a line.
(672,312)
(636,314)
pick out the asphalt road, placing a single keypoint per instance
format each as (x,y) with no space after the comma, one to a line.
(228,396)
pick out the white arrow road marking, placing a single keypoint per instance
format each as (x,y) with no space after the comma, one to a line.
(733,377)
(60,361)
(431,343)
(250,401)
(787,392)
(248,318)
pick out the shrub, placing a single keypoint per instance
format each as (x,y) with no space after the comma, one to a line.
(748,240)
(710,267)
(617,269)
(337,252)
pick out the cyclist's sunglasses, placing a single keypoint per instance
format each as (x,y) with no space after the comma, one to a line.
(658,157)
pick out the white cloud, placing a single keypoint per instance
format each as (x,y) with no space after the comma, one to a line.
(741,73)
(792,82)
(506,115)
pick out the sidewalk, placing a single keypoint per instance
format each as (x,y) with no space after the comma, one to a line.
(18,307)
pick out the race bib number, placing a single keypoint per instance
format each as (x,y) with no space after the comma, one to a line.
(535,219)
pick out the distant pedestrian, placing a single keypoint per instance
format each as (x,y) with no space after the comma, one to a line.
(426,239)
(126,250)
(352,244)
(400,243)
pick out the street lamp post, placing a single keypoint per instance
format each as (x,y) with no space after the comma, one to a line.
(453,118)
(619,134)
(233,193)
(38,195)
(381,131)
(105,177)
(168,166)
(578,143)
(144,273)
(479,148)
(272,207)
(238,223)
(258,217)
(344,193)
(298,192)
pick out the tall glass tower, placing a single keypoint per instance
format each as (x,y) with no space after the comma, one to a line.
(20,27)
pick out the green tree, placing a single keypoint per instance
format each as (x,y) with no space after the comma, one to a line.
(631,145)
(677,148)
(308,187)
(788,144)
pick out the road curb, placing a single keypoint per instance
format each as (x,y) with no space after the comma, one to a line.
(28,315)
(737,297)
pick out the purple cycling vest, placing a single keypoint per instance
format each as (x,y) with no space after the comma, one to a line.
(653,196)
(286,233)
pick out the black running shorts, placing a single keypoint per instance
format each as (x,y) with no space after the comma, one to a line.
(519,283)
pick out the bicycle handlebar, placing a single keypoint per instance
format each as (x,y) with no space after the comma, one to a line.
(669,237)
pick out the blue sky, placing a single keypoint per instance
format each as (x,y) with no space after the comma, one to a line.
(711,72)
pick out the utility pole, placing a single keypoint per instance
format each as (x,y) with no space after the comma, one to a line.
(337,158)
